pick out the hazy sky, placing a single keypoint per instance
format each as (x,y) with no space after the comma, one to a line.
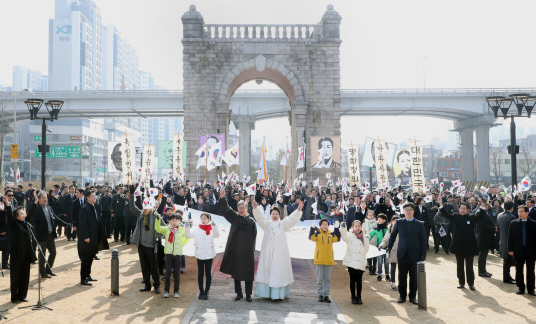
(467,43)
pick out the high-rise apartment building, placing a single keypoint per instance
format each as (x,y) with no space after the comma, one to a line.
(86,55)
(24,78)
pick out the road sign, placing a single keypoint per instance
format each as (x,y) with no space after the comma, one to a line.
(38,138)
(105,158)
(14,151)
(62,152)
(75,138)
(104,162)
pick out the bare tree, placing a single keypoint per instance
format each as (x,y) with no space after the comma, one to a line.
(5,128)
(527,165)
(496,163)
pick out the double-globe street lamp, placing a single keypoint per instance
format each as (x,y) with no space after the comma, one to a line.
(53,108)
(523,102)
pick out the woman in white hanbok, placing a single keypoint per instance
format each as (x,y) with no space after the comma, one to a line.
(274,270)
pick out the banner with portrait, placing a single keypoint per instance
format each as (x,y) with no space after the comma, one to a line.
(417,172)
(402,164)
(353,165)
(212,140)
(114,157)
(325,152)
(165,154)
(147,164)
(382,175)
(128,159)
(369,156)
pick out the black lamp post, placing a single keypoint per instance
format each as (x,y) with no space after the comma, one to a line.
(522,101)
(53,108)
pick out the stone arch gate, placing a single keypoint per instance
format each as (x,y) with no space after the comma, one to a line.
(303,60)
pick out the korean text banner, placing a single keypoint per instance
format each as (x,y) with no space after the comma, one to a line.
(353,165)
(128,157)
(178,154)
(382,175)
(417,174)
(369,154)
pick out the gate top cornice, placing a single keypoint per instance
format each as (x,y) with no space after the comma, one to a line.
(195,29)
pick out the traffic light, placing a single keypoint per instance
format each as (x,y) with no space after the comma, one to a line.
(510,149)
(39,148)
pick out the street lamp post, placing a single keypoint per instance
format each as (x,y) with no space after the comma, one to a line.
(522,102)
(53,108)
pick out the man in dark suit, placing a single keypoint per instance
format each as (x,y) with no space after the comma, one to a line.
(384,207)
(411,249)
(67,203)
(91,236)
(522,246)
(78,203)
(44,221)
(503,221)
(532,208)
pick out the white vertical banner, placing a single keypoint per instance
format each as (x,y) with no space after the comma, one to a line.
(147,164)
(177,154)
(417,172)
(128,158)
(353,165)
(380,152)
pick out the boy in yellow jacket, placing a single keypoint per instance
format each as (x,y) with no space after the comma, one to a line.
(324,259)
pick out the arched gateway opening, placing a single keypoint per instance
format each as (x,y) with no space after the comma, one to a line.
(303,60)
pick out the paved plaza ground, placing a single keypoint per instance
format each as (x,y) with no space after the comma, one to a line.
(492,302)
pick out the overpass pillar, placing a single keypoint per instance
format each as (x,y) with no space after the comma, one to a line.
(466,141)
(245,125)
(482,153)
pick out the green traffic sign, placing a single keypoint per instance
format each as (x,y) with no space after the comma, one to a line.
(62,152)
(38,138)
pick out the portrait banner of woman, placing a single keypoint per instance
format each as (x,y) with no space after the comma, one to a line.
(326,152)
(402,164)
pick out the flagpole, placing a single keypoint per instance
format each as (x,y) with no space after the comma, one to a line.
(206,158)
(323,166)
(286,159)
(239,156)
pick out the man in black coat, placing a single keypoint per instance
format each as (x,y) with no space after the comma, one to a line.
(522,246)
(91,236)
(464,244)
(78,203)
(503,221)
(485,236)
(385,208)
(106,205)
(67,203)
(239,259)
(411,249)
(44,222)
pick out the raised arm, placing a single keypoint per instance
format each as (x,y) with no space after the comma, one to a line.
(344,233)
(225,211)
(260,218)
(132,204)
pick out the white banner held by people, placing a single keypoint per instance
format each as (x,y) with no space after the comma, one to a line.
(353,165)
(177,154)
(128,158)
(417,172)
(382,175)
(147,163)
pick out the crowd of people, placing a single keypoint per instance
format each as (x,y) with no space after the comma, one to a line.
(155,218)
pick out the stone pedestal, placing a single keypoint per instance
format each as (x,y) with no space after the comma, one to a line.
(482,153)
(245,125)
(466,140)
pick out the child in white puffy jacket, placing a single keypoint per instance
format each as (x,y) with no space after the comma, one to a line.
(205,251)
(356,257)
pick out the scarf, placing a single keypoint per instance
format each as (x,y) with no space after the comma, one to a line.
(359,236)
(206,228)
(172,234)
(146,220)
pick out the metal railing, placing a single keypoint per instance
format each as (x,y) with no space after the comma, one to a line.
(344,92)
(249,31)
